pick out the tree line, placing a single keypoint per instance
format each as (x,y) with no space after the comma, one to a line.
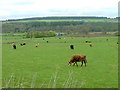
(59,18)
(62,26)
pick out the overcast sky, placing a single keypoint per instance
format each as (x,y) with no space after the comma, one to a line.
(10,9)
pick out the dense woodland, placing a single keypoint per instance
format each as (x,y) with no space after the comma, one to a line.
(60,26)
(76,26)
(60,17)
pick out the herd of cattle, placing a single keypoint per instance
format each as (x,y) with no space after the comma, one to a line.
(36,45)
(74,59)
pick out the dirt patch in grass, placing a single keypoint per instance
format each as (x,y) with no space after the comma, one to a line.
(89,35)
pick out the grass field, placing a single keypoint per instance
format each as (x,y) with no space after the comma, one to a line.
(47,65)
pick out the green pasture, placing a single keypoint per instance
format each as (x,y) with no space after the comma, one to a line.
(12,35)
(47,65)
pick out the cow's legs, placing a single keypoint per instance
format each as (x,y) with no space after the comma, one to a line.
(82,64)
(76,63)
(85,63)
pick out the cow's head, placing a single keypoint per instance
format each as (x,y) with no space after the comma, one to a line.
(69,63)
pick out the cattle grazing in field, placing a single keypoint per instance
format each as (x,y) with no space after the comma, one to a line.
(37,45)
(88,41)
(78,58)
(47,41)
(117,43)
(24,43)
(14,46)
(21,44)
(71,46)
(90,45)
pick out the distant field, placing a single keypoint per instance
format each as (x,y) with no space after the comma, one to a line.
(12,35)
(22,35)
(47,65)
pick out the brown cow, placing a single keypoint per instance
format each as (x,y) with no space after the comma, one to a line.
(78,58)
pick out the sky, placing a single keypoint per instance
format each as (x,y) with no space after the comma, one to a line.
(15,9)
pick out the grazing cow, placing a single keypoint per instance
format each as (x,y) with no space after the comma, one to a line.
(14,46)
(78,58)
(21,44)
(90,45)
(88,41)
(71,46)
(37,45)
(47,41)
(24,43)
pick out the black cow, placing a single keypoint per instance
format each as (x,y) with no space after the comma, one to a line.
(71,46)
(88,41)
(14,46)
(21,44)
(24,43)
(90,45)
